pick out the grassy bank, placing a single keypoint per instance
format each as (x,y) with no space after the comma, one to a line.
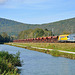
(8,63)
(55,46)
(54,53)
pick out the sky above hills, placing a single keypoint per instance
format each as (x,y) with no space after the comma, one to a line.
(37,11)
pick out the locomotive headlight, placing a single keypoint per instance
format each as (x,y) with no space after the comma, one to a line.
(68,38)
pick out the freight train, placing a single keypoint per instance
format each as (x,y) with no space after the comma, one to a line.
(50,39)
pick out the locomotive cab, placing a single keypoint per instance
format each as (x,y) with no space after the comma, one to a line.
(63,38)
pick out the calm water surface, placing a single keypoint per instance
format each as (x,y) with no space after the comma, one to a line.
(36,63)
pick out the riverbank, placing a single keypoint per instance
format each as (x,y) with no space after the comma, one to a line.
(8,63)
(56,49)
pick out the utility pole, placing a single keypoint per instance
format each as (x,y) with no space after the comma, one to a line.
(52,31)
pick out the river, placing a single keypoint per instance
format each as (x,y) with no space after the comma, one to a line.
(36,63)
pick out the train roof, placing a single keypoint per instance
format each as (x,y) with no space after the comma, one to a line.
(72,34)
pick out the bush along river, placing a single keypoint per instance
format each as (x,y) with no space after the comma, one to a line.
(8,63)
(36,63)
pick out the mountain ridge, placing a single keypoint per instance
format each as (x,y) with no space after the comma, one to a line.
(12,27)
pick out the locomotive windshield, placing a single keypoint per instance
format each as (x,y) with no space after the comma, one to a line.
(67,36)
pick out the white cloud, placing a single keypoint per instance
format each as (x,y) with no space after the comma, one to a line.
(21,3)
(2,1)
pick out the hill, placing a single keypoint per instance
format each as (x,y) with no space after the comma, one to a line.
(13,28)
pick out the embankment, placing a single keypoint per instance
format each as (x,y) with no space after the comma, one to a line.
(68,53)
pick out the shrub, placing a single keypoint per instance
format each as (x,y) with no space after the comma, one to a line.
(8,63)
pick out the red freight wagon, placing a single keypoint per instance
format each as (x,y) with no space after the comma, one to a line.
(50,37)
(54,37)
(41,38)
(38,38)
(44,38)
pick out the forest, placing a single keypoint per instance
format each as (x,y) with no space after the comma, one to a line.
(13,28)
(34,33)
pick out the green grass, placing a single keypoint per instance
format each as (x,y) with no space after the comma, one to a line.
(56,46)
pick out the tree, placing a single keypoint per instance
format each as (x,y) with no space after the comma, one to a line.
(46,29)
(38,32)
(5,37)
(1,38)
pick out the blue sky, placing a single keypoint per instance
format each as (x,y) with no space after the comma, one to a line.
(37,11)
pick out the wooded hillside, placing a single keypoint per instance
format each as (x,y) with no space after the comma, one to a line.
(34,33)
(13,28)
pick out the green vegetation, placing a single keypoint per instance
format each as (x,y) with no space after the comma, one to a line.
(55,46)
(5,38)
(38,32)
(8,63)
(59,27)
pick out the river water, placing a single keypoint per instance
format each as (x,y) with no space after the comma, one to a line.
(36,63)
